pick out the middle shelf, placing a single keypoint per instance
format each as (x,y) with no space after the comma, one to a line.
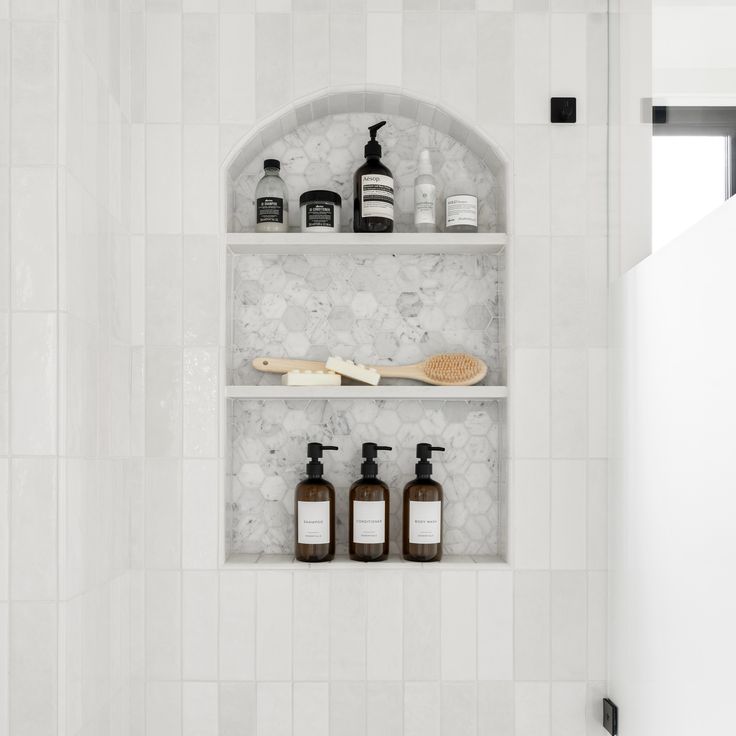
(425,393)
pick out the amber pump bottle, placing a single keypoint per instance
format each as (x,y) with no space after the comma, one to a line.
(422,532)
(373,189)
(369,510)
(314,511)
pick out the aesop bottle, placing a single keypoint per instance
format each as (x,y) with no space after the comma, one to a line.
(369,510)
(422,537)
(373,189)
(314,511)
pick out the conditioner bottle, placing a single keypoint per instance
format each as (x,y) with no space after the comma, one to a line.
(369,510)
(314,511)
(422,532)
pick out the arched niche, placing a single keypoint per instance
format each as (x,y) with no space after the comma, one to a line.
(319,142)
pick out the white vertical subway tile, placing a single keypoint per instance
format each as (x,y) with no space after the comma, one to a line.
(383,49)
(531,626)
(4,529)
(199,625)
(532,180)
(163,290)
(384,709)
(163,708)
(237,712)
(4,671)
(532,709)
(568,179)
(597,402)
(568,59)
(568,517)
(569,293)
(597,68)
(163,67)
(274,704)
(422,709)
(495,93)
(531,275)
(384,625)
(568,625)
(273,52)
(532,389)
(531,63)
(421,625)
(138,178)
(311,708)
(163,514)
(597,544)
(200,67)
(163,402)
(567,709)
(237,626)
(200,179)
(347,48)
(4,237)
(34,9)
(4,383)
(597,625)
(311,631)
(596,691)
(33,529)
(459,69)
(200,709)
(459,709)
(597,283)
(200,516)
(531,532)
(495,625)
(495,6)
(200,402)
(347,706)
(237,73)
(459,624)
(33,391)
(34,225)
(163,625)
(274,626)
(597,182)
(163,178)
(347,626)
(311,46)
(569,420)
(200,279)
(496,708)
(420,66)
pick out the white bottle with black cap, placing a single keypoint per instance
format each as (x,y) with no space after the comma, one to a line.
(272,200)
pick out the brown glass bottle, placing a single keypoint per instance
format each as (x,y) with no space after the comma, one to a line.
(369,511)
(314,511)
(422,512)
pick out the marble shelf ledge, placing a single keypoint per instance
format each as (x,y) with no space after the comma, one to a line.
(342,562)
(422,393)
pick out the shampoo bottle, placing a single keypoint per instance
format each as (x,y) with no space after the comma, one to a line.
(369,510)
(425,191)
(422,532)
(373,204)
(314,511)
(272,200)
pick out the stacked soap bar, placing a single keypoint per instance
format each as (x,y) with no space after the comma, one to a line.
(356,371)
(310,378)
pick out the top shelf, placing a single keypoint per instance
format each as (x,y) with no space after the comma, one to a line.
(366,243)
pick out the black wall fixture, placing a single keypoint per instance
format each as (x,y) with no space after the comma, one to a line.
(563,110)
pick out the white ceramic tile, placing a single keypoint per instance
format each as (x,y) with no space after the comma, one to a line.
(34,9)
(458,617)
(163,67)
(4,383)
(274,709)
(532,180)
(567,709)
(384,708)
(200,289)
(311,635)
(532,709)
(383,46)
(5,671)
(347,626)
(597,301)
(597,402)
(532,383)
(163,514)
(237,625)
(163,402)
(568,59)
(459,69)
(274,627)
(495,625)
(200,70)
(347,706)
(531,63)
(4,529)
(497,6)
(33,529)
(597,67)
(275,72)
(568,623)
(421,625)
(569,293)
(530,6)
(33,392)
(384,625)
(199,709)
(237,709)
(568,517)
(531,292)
(531,625)
(200,402)
(200,6)
(422,709)
(459,709)
(496,708)
(199,625)
(237,54)
(569,420)
(311,40)
(597,625)
(568,177)
(311,708)
(199,514)
(273,6)
(200,179)
(347,48)
(531,531)
(137,179)
(163,290)
(163,178)
(163,626)
(495,33)
(163,708)
(597,544)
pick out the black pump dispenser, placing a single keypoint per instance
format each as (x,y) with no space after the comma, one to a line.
(424,454)
(369,467)
(314,452)
(373,147)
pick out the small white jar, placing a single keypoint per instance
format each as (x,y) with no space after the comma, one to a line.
(320,211)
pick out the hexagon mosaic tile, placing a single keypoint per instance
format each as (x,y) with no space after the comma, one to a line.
(371,309)
(325,153)
(269,444)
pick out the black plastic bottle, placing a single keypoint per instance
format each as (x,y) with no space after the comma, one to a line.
(422,528)
(373,203)
(369,510)
(314,511)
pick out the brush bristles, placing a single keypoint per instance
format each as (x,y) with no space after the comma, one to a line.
(455,368)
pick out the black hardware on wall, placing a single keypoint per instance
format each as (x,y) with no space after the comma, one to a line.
(610,716)
(563,110)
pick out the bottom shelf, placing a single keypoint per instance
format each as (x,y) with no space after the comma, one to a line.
(342,562)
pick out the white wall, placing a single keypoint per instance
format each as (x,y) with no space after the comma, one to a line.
(673,545)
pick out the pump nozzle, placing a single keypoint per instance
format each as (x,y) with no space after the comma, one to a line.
(369,469)
(373,147)
(424,454)
(314,453)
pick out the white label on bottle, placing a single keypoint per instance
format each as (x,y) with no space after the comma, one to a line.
(377,196)
(314,522)
(462,209)
(424,195)
(425,522)
(369,525)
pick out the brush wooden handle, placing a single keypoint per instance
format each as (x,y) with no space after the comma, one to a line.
(284,365)
(415,372)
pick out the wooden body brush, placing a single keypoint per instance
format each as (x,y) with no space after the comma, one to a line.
(443,369)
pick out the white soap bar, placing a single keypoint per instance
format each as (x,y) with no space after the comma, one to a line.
(310,378)
(356,371)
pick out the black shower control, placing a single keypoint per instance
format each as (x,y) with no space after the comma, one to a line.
(610,716)
(563,110)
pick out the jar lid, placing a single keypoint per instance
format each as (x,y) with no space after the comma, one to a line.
(320,195)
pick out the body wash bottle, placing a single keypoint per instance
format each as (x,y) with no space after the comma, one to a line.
(425,191)
(272,200)
(314,511)
(373,188)
(422,532)
(369,510)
